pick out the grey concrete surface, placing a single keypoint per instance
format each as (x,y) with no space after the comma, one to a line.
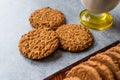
(14,22)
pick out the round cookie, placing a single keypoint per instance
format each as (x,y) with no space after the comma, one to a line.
(102,69)
(74,37)
(108,61)
(47,17)
(84,72)
(115,56)
(38,43)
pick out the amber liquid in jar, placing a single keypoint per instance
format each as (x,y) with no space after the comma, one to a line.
(96,21)
(96,14)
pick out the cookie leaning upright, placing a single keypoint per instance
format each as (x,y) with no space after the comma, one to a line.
(38,43)
(47,17)
(84,72)
(74,37)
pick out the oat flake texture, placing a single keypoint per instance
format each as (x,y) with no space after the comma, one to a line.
(38,43)
(74,37)
(47,17)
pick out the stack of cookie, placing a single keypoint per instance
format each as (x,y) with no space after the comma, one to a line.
(103,66)
(51,32)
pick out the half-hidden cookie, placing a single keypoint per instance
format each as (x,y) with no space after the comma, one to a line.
(72,78)
(105,59)
(74,37)
(102,69)
(47,17)
(38,43)
(114,49)
(115,56)
(84,72)
(118,45)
